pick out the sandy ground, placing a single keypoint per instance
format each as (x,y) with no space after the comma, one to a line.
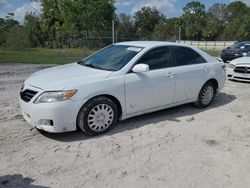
(179,147)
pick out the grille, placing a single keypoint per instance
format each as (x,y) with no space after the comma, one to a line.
(242,78)
(27,95)
(242,69)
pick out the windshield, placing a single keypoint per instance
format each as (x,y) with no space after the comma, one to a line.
(238,45)
(112,58)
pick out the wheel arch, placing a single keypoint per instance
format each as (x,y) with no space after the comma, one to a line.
(111,97)
(213,81)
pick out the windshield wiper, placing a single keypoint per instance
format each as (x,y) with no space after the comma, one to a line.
(90,65)
(93,66)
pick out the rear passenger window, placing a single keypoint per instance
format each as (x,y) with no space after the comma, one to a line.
(157,58)
(186,56)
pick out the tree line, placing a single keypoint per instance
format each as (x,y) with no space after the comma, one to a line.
(66,23)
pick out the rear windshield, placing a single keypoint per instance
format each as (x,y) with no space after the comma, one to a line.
(111,58)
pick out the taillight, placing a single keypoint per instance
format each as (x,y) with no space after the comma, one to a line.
(224,66)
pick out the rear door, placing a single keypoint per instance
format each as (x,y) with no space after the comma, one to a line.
(191,71)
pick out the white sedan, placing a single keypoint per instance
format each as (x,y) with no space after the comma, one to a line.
(239,69)
(118,82)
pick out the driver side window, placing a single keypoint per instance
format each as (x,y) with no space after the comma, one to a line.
(157,58)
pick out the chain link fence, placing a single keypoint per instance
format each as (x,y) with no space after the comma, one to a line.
(209,45)
(74,45)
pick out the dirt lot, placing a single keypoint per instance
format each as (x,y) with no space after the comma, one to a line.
(179,147)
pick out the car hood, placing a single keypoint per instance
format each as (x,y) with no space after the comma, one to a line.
(242,60)
(61,77)
(233,50)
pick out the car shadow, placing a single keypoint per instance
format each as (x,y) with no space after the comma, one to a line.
(18,181)
(171,114)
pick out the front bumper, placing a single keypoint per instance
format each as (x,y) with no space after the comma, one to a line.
(237,76)
(62,114)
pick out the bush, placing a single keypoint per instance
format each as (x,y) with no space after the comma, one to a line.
(16,39)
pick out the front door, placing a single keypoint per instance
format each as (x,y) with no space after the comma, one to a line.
(154,88)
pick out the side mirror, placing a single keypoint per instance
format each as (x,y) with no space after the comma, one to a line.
(140,68)
(228,47)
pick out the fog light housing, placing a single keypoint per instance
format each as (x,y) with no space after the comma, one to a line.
(46,122)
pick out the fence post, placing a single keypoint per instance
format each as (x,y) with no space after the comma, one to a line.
(116,33)
(113,31)
(179,34)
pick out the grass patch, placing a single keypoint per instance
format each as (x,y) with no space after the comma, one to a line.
(44,56)
(213,53)
(53,56)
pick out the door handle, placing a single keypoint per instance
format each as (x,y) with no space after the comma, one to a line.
(170,75)
(204,69)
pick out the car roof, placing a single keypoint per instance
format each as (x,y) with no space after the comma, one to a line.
(149,44)
(153,44)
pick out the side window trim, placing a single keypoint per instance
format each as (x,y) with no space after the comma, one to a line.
(171,59)
(174,56)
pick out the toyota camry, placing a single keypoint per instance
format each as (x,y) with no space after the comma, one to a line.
(118,82)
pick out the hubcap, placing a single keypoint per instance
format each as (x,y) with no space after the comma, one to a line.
(207,95)
(100,117)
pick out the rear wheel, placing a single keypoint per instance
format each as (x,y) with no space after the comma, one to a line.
(97,116)
(206,95)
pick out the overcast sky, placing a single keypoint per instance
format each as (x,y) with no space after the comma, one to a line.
(170,8)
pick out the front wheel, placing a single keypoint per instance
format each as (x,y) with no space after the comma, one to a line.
(206,95)
(97,116)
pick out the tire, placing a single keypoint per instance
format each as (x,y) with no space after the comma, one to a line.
(97,116)
(206,95)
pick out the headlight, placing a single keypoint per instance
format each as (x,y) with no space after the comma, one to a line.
(55,96)
(22,87)
(231,66)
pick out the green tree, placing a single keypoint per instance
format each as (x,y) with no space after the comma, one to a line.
(216,20)
(193,20)
(7,25)
(64,18)
(125,27)
(167,30)
(16,38)
(8,22)
(237,9)
(52,19)
(238,23)
(146,19)
(34,31)
(89,15)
